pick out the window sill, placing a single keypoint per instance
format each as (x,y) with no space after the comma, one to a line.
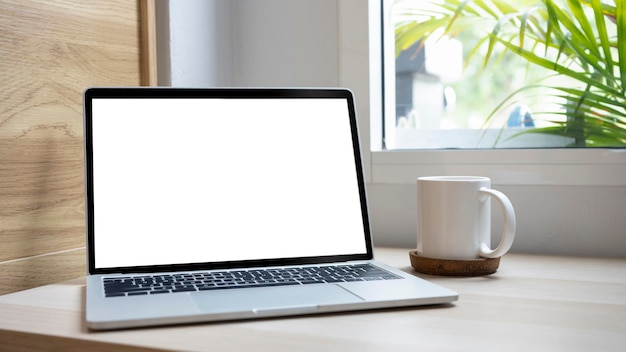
(556,167)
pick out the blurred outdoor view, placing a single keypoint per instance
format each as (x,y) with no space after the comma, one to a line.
(483,74)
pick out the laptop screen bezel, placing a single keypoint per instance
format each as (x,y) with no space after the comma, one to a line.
(220,93)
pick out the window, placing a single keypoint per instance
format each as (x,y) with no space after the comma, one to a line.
(361,30)
(455,79)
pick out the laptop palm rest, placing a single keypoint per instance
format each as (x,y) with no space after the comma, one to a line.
(273,300)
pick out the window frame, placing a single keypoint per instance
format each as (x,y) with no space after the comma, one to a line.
(561,166)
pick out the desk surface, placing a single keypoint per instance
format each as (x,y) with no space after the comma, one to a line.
(533,302)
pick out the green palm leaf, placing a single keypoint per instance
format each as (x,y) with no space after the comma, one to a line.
(620,15)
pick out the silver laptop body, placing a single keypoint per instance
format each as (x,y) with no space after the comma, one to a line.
(223,204)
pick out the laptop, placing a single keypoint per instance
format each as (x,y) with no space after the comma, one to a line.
(225,204)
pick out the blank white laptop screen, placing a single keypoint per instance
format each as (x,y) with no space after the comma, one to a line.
(193,180)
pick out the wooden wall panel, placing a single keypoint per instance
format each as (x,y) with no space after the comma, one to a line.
(50,51)
(35,271)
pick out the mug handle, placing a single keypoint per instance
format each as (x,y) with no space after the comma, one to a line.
(509,224)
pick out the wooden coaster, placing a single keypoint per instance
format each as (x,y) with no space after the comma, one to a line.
(451,267)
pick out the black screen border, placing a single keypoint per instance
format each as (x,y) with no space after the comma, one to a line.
(218,93)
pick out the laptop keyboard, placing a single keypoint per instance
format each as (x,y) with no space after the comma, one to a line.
(202,281)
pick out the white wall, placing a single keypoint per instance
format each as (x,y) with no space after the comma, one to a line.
(201,38)
(248,43)
(325,43)
(285,43)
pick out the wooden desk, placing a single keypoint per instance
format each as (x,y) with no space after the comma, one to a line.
(540,303)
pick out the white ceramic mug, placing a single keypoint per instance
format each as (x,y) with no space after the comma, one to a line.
(454,214)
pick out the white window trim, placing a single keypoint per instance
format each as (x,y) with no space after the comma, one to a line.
(571,167)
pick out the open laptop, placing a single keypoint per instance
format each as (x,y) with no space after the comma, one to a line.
(222,204)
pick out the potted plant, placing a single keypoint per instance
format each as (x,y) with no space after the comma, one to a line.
(581,42)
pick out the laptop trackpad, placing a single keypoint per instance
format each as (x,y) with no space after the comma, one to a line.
(272,299)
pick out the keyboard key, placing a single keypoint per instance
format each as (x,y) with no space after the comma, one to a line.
(159,291)
(184,289)
(137,293)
